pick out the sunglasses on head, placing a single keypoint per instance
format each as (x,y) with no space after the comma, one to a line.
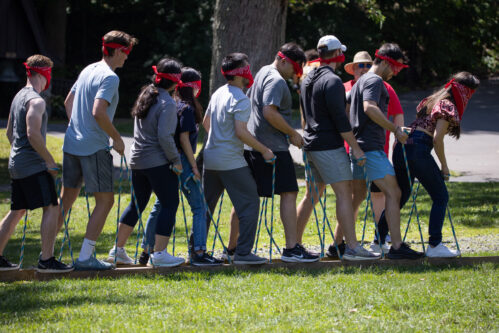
(361,65)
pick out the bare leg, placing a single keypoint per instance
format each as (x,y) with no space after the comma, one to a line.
(234,229)
(378,204)
(48,230)
(390,188)
(289,217)
(8,225)
(68,197)
(344,211)
(305,208)
(124,232)
(103,203)
(161,243)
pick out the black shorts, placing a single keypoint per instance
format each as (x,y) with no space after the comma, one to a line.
(285,176)
(374,188)
(33,192)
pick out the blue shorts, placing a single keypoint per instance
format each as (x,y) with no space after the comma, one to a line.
(377,166)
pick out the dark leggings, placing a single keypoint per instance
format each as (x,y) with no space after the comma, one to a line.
(164,183)
(422,166)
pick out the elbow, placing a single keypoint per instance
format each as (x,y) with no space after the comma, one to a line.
(239,133)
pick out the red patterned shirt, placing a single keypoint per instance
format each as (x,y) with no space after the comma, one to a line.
(444,109)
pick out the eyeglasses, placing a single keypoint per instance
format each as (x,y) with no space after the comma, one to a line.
(364,65)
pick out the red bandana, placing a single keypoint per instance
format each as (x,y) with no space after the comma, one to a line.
(340,59)
(46,72)
(195,85)
(297,67)
(461,94)
(172,77)
(241,71)
(125,49)
(396,66)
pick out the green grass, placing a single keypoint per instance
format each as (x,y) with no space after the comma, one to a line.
(420,298)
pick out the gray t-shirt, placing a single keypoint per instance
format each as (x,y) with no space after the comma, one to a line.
(369,135)
(269,89)
(153,136)
(24,161)
(84,136)
(224,151)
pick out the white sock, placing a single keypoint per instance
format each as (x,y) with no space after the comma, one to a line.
(87,249)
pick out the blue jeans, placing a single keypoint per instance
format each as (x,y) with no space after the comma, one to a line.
(423,167)
(195,199)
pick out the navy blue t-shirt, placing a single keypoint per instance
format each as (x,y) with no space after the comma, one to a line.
(186,123)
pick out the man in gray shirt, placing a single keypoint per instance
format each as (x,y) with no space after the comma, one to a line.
(31,166)
(369,101)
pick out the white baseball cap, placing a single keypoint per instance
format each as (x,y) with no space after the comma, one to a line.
(331,42)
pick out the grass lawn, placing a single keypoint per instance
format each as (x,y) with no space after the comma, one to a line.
(414,299)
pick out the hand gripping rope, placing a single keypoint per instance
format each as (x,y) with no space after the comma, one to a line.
(308,172)
(264,207)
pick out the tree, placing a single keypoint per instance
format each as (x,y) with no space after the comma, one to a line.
(254,27)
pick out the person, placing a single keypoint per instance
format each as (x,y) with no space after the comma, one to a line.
(438,115)
(31,166)
(189,115)
(224,165)
(322,102)
(155,163)
(368,104)
(270,124)
(90,106)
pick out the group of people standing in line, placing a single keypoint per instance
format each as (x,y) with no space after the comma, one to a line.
(345,139)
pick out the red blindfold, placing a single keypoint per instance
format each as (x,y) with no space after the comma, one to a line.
(172,77)
(297,67)
(46,72)
(461,94)
(195,85)
(123,48)
(340,58)
(241,71)
(396,66)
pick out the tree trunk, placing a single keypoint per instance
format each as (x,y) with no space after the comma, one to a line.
(254,27)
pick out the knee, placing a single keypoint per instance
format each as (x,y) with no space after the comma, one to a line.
(442,198)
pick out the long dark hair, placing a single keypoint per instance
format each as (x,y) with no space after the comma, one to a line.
(148,95)
(464,78)
(186,94)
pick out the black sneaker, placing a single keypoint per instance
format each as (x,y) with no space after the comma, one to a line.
(404,252)
(52,265)
(6,265)
(298,254)
(333,253)
(205,259)
(144,258)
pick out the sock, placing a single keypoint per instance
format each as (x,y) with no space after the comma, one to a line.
(87,249)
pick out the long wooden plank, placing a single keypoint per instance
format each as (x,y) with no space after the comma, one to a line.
(32,275)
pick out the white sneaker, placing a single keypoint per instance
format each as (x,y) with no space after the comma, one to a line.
(374,248)
(121,257)
(441,251)
(164,259)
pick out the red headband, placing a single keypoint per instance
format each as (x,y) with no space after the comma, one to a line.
(46,72)
(125,49)
(297,67)
(461,94)
(340,59)
(241,71)
(195,85)
(396,66)
(169,76)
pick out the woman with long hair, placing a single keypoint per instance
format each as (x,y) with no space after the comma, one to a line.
(155,163)
(437,115)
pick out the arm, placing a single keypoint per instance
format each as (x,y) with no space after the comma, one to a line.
(34,118)
(374,113)
(9,133)
(358,153)
(398,120)
(99,111)
(68,104)
(206,122)
(272,115)
(185,143)
(438,145)
(245,136)
(167,124)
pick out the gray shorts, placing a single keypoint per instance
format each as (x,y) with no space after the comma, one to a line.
(330,166)
(95,169)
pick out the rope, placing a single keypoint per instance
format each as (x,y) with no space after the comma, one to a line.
(118,212)
(21,256)
(453,231)
(218,220)
(66,223)
(369,202)
(185,218)
(259,224)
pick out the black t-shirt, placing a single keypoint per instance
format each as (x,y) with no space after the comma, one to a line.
(322,101)
(369,135)
(186,123)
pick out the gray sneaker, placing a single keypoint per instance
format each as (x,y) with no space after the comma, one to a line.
(249,259)
(92,264)
(359,253)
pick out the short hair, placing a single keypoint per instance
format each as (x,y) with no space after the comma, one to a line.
(324,53)
(311,54)
(233,61)
(293,52)
(390,50)
(118,37)
(38,60)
